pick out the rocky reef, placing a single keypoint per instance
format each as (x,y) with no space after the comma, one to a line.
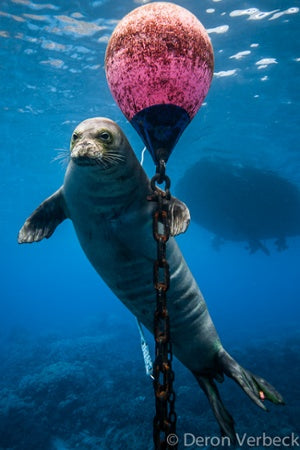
(90,392)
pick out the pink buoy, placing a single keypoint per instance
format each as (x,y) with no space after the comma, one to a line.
(159,65)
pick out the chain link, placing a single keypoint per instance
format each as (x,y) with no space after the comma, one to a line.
(164,422)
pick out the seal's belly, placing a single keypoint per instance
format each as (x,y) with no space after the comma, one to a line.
(121,248)
(123,253)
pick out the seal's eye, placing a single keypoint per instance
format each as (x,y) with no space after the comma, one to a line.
(104,136)
(75,136)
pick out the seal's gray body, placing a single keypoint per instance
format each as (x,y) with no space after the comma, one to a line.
(115,233)
(105,195)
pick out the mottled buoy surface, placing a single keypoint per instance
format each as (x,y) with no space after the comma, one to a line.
(159,54)
(159,65)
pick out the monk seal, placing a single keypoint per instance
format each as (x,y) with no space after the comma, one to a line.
(105,195)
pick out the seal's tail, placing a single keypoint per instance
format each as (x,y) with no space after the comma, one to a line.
(255,387)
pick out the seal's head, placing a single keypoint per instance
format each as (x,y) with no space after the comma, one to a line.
(98,142)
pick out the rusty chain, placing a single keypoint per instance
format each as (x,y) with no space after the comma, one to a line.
(164,422)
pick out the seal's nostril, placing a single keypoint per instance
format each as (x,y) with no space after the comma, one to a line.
(86,146)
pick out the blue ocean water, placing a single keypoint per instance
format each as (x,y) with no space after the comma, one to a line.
(71,373)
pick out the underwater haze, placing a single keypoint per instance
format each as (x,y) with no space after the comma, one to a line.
(71,369)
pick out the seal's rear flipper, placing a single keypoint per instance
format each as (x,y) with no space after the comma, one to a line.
(223,417)
(255,387)
(43,221)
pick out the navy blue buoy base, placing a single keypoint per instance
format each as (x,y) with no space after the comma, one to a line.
(160,127)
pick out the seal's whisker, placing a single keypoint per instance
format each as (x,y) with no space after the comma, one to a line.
(63,156)
(101,162)
(115,154)
(109,158)
(112,162)
(114,157)
(59,156)
(109,163)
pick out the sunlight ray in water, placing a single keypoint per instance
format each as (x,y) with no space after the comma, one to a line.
(219,30)
(240,55)
(225,73)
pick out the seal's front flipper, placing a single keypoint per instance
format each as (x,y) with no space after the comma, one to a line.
(255,387)
(223,417)
(43,221)
(180,217)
